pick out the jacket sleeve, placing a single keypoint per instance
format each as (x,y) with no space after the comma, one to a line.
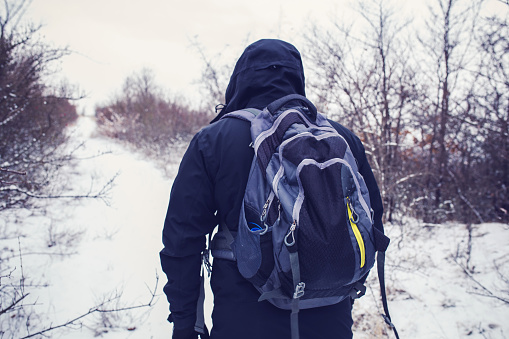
(190,216)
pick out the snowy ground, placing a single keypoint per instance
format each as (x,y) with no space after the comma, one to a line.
(436,289)
(440,284)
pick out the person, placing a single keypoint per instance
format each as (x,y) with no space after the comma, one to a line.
(208,191)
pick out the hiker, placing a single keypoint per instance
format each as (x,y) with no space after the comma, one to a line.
(208,191)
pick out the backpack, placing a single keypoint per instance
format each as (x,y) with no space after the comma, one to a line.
(305,234)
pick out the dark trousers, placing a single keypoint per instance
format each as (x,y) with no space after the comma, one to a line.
(238,314)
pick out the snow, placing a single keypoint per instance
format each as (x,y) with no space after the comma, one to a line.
(430,296)
(79,253)
(113,249)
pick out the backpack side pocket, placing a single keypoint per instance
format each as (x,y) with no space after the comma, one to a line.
(253,247)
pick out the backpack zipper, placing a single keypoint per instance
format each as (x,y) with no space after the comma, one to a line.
(354,218)
(267,206)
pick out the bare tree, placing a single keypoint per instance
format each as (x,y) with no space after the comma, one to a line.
(447,52)
(429,110)
(366,80)
(488,118)
(214,77)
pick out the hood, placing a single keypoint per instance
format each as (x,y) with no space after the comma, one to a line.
(267,70)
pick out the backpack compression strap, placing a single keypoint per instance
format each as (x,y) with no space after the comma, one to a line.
(299,291)
(247,114)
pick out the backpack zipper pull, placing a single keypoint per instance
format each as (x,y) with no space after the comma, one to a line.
(354,219)
(291,233)
(264,211)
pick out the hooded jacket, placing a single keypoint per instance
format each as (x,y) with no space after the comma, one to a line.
(208,190)
(266,71)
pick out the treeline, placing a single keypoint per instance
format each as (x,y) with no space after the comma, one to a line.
(430,102)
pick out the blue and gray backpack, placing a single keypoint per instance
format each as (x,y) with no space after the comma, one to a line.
(305,235)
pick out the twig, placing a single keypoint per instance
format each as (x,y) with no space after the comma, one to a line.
(12,171)
(16,300)
(463,198)
(13,304)
(484,288)
(43,253)
(99,194)
(98,309)
(9,171)
(22,280)
(469,246)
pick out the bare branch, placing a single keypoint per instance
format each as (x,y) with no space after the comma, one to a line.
(464,199)
(13,304)
(99,309)
(100,194)
(19,291)
(487,293)
(13,171)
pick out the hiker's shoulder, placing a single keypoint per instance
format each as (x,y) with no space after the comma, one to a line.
(221,135)
(350,136)
(225,130)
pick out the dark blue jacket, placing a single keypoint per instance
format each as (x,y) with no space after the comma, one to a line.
(208,190)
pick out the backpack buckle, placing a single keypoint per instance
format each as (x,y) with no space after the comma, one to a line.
(299,290)
(387,320)
(357,291)
(205,257)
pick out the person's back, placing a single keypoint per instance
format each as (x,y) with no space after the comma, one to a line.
(208,191)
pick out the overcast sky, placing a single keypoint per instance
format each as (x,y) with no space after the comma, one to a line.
(114,38)
(111,39)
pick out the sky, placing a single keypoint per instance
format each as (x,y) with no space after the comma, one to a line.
(112,39)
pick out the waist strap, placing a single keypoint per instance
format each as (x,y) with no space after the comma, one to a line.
(220,246)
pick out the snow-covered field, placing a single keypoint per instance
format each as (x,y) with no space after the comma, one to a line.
(441,283)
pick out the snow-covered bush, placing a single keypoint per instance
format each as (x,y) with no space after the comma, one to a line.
(33,116)
(143,116)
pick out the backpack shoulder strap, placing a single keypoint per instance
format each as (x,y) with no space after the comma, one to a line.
(247,114)
(278,104)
